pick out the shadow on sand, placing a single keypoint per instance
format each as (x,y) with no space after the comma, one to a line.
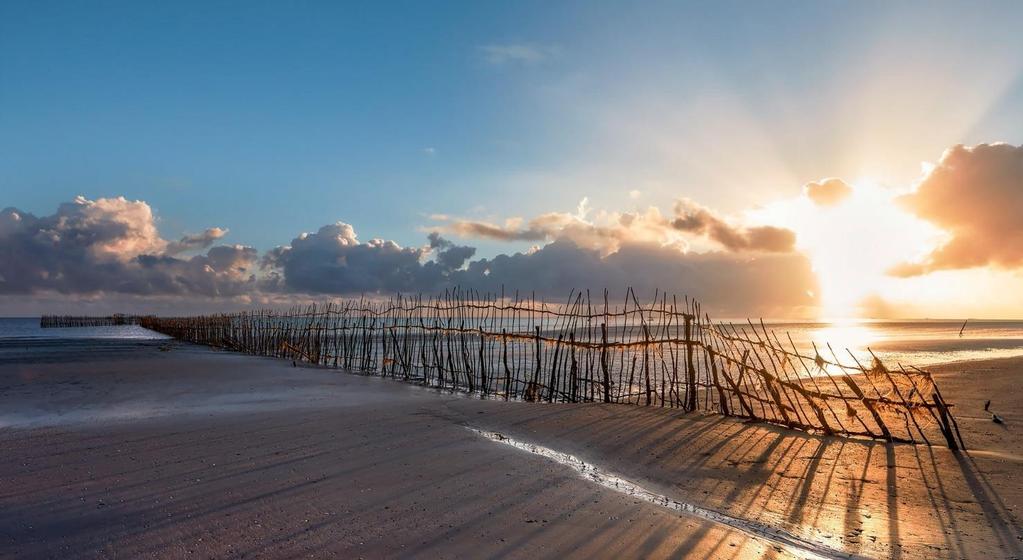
(411,479)
(861,496)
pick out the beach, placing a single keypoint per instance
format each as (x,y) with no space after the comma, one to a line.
(511,280)
(165,449)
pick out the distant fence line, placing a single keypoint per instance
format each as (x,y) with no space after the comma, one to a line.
(664,353)
(63,321)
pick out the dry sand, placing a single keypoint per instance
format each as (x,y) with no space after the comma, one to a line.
(143,453)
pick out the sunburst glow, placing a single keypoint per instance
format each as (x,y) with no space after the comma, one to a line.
(852,244)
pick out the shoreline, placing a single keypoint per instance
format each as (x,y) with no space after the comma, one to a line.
(375,454)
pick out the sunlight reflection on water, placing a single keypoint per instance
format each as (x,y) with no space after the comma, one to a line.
(920,343)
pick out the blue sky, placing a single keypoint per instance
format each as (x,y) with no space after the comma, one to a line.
(271,119)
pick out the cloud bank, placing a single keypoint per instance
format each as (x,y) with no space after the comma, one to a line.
(111,248)
(727,284)
(332,261)
(112,245)
(975,194)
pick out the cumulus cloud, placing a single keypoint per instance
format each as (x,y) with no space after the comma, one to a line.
(225,270)
(333,261)
(827,192)
(110,245)
(449,255)
(106,228)
(975,194)
(693,218)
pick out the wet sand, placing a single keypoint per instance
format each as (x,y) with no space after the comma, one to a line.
(147,453)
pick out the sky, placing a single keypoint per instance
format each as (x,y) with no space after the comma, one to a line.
(569,145)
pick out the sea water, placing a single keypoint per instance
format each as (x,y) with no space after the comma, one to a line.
(917,342)
(23,341)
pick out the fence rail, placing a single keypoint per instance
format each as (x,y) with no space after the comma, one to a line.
(663,353)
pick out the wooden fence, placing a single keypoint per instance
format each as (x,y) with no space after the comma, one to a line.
(64,321)
(664,353)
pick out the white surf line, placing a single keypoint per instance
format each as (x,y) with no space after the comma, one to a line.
(794,544)
(995,455)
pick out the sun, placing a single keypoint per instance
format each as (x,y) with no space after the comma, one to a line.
(853,244)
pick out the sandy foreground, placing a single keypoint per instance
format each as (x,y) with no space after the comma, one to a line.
(137,452)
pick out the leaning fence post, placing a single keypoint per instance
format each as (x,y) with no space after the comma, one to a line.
(946,428)
(870,407)
(552,380)
(690,368)
(504,360)
(646,361)
(603,362)
(722,400)
(948,413)
(533,389)
(574,372)
(483,365)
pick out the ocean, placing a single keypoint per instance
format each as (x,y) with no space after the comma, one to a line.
(23,341)
(920,343)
